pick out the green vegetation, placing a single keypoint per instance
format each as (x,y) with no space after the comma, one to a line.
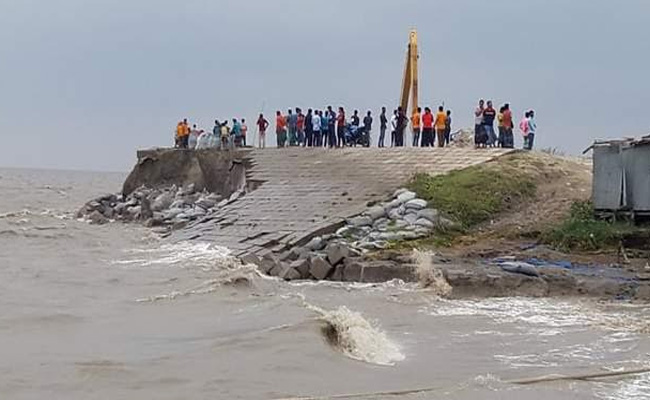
(582,231)
(474,195)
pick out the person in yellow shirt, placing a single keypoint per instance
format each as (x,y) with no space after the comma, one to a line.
(440,124)
(415,124)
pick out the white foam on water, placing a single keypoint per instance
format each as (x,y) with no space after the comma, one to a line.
(636,387)
(546,317)
(203,255)
(357,338)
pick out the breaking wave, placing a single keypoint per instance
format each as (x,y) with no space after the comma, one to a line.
(203,255)
(354,336)
(241,277)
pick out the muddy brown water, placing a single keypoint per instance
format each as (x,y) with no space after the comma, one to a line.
(113,312)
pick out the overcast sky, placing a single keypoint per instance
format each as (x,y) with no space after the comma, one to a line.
(84,83)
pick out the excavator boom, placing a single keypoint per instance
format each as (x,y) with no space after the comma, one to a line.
(410,81)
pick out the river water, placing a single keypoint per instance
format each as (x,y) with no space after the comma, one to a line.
(98,312)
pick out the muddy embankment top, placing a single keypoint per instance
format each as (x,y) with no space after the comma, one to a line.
(291,194)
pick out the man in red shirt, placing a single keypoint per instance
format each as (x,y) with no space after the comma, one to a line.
(340,128)
(300,127)
(262,124)
(281,129)
(427,131)
(509,140)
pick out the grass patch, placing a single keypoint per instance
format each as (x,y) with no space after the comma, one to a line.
(475,194)
(582,231)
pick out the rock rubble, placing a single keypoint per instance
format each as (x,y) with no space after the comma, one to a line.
(171,207)
(340,256)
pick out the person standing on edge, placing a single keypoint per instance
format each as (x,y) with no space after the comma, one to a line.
(489,114)
(340,128)
(367,126)
(415,124)
(383,123)
(216,134)
(179,135)
(292,121)
(501,128)
(332,127)
(427,128)
(509,141)
(448,128)
(235,134)
(309,129)
(523,128)
(300,127)
(479,135)
(393,128)
(315,138)
(225,135)
(280,129)
(185,134)
(356,121)
(193,137)
(440,124)
(324,128)
(244,131)
(262,125)
(532,129)
(402,122)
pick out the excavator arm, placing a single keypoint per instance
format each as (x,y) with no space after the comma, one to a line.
(410,81)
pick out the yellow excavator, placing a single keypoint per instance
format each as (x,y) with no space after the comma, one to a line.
(410,83)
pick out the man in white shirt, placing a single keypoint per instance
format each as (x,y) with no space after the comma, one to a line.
(480,139)
(315,125)
(393,128)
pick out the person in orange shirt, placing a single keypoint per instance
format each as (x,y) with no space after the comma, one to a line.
(441,122)
(179,134)
(280,129)
(427,128)
(182,134)
(415,125)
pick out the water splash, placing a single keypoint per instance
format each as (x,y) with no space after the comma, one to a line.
(429,276)
(357,338)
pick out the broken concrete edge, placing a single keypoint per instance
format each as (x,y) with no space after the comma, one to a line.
(348,268)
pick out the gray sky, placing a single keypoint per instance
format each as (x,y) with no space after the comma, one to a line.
(86,82)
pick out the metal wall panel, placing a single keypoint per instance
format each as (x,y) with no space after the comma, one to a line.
(608,180)
(637,165)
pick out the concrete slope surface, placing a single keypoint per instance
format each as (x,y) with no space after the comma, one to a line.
(298,193)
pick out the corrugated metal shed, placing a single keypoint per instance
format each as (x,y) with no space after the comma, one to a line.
(621,179)
(637,161)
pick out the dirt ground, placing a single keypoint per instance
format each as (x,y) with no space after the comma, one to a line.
(560,181)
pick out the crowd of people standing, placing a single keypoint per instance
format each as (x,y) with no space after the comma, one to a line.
(485,135)
(329,128)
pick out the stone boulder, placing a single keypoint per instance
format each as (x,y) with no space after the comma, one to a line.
(319,268)
(162,201)
(97,218)
(302,266)
(336,253)
(289,274)
(384,271)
